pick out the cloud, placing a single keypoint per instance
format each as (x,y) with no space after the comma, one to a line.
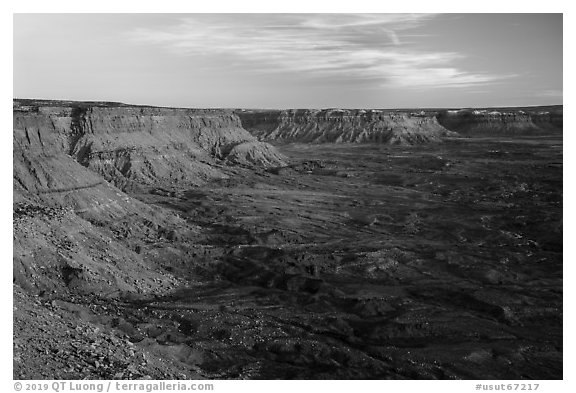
(551,93)
(365,48)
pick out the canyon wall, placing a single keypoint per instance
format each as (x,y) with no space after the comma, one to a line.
(75,224)
(131,146)
(341,126)
(503,121)
(397,126)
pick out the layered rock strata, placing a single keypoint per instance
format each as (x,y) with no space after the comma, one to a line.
(142,145)
(343,126)
(75,225)
(502,122)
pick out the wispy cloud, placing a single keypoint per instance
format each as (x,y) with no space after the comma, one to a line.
(353,47)
(551,93)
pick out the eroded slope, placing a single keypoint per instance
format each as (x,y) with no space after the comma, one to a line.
(74,225)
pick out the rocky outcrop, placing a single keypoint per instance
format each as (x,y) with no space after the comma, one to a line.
(342,126)
(254,152)
(503,121)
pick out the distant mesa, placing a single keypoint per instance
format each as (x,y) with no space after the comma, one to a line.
(402,126)
(503,121)
(344,126)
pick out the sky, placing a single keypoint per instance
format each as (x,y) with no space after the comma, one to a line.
(291,60)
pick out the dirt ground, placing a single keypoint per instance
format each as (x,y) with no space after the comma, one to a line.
(441,261)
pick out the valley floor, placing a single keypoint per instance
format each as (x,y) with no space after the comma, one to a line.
(441,261)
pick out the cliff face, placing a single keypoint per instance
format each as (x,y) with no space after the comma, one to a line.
(340,126)
(397,127)
(502,122)
(141,146)
(74,225)
(549,120)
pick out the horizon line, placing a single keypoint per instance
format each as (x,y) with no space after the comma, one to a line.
(288,108)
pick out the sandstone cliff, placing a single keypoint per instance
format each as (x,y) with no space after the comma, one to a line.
(503,121)
(341,126)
